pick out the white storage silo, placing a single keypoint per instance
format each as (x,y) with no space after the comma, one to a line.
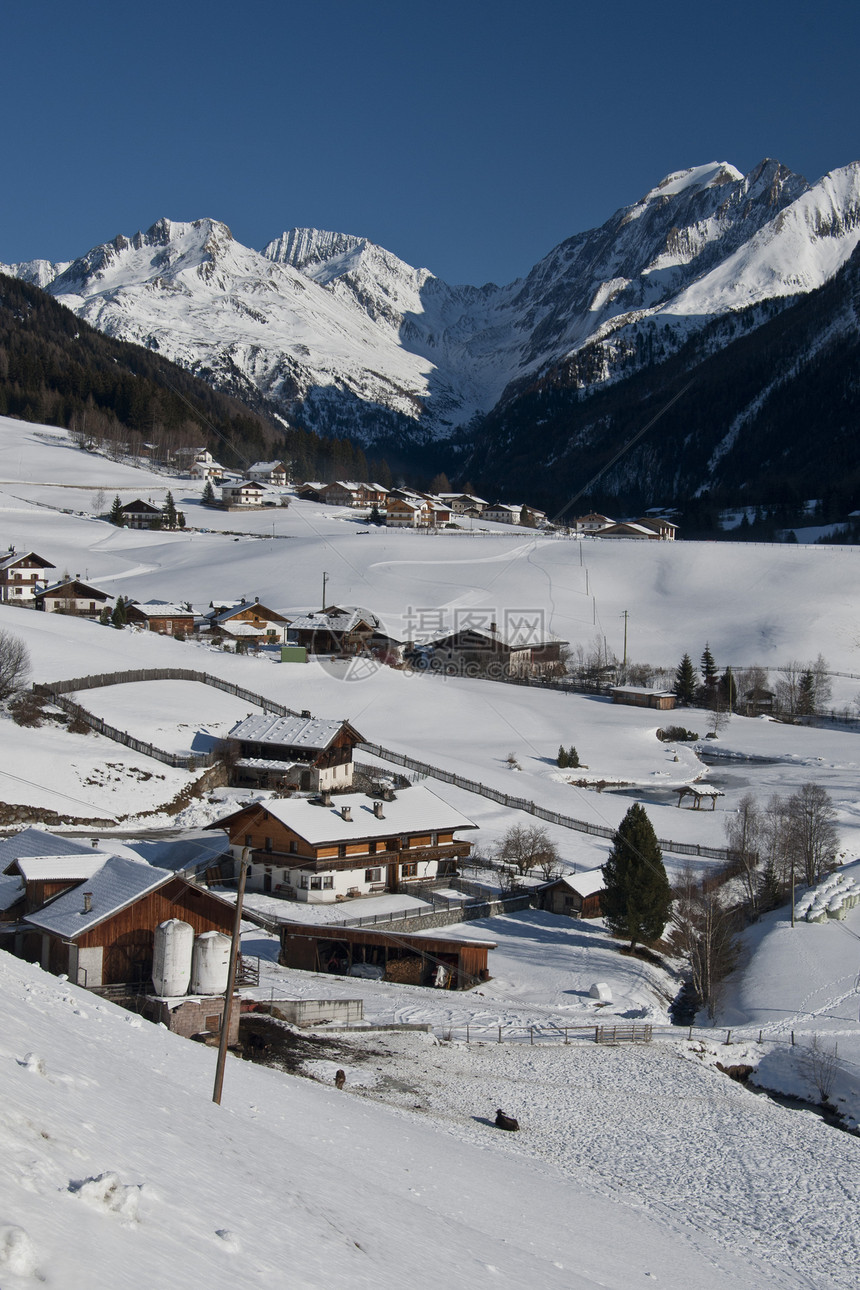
(171,958)
(210,963)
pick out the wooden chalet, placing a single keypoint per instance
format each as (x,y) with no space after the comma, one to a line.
(330,849)
(162,617)
(140,515)
(101,932)
(20,576)
(342,630)
(576,895)
(639,696)
(301,753)
(267,624)
(412,959)
(72,597)
(311,491)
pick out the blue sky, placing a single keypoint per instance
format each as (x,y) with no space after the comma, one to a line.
(466,137)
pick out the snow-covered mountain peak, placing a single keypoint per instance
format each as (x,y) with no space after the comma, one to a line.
(302,247)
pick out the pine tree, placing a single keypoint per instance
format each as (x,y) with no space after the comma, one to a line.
(636,899)
(168,512)
(572,757)
(117,618)
(710,677)
(104,616)
(728,690)
(685,682)
(208,497)
(180,519)
(562,758)
(116,516)
(806,694)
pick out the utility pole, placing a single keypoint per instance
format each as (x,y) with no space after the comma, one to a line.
(231,980)
(625,616)
(325,580)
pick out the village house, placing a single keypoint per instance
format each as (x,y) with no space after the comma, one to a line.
(464,503)
(347,629)
(162,617)
(301,753)
(332,849)
(501,513)
(268,472)
(140,515)
(591,523)
(21,576)
(101,931)
(648,529)
(72,597)
(473,650)
(311,491)
(244,493)
(576,895)
(247,620)
(407,509)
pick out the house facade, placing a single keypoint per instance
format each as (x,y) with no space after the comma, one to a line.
(639,696)
(72,597)
(300,753)
(576,895)
(337,630)
(269,626)
(268,472)
(21,576)
(161,617)
(244,493)
(140,515)
(325,850)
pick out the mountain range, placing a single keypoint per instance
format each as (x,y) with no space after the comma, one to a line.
(538,382)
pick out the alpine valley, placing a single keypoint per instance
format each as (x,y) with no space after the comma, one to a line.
(740,293)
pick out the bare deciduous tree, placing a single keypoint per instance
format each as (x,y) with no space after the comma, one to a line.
(525,847)
(705,932)
(812,836)
(744,834)
(14,664)
(820,1064)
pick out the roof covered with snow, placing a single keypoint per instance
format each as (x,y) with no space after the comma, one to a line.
(115,885)
(585,884)
(38,842)
(310,733)
(414,810)
(60,868)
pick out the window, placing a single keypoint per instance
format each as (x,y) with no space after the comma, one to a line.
(373,875)
(294,846)
(320,883)
(268,844)
(409,870)
(248,840)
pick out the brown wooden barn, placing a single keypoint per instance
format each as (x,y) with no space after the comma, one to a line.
(410,959)
(101,932)
(575,894)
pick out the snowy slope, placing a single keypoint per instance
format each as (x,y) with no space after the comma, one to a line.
(341,333)
(118,1170)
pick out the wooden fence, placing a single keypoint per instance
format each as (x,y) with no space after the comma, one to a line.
(521,804)
(56,692)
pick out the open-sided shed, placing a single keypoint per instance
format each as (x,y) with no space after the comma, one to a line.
(411,959)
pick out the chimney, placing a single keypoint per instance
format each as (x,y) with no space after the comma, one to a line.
(88,902)
(377,810)
(346,813)
(326,797)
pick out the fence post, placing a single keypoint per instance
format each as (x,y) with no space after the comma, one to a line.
(500,1034)
(531,1034)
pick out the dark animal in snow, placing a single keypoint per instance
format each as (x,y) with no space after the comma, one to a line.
(340,1079)
(506,1122)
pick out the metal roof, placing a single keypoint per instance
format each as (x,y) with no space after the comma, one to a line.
(37,842)
(294,732)
(59,868)
(115,885)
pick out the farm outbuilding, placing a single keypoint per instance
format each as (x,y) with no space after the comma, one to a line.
(410,959)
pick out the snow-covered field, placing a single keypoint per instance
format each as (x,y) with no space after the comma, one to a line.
(635,1165)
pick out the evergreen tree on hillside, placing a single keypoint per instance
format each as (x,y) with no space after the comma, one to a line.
(115,516)
(710,677)
(208,497)
(168,512)
(636,899)
(572,757)
(728,690)
(685,682)
(562,759)
(117,618)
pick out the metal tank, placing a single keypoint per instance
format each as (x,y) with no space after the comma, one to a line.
(210,963)
(171,960)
